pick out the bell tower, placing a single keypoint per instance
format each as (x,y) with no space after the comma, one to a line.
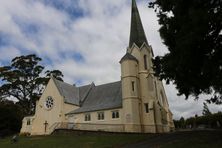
(144,99)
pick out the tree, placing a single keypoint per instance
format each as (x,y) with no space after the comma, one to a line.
(182,122)
(22,80)
(206,110)
(55,73)
(10,118)
(192,31)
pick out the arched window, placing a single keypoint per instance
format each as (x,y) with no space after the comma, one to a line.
(145,61)
(28,122)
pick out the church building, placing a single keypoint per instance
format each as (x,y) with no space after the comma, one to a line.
(137,103)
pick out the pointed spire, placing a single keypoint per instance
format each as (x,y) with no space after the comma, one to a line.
(137,34)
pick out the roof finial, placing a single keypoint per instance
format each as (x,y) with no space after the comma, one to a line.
(137,34)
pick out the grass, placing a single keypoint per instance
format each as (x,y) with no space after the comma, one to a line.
(191,139)
(195,139)
(71,141)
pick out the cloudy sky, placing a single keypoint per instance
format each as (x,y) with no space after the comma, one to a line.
(85,39)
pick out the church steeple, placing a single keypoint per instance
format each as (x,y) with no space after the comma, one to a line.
(137,34)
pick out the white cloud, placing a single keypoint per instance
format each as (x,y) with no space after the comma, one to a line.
(9,53)
(100,35)
(186,108)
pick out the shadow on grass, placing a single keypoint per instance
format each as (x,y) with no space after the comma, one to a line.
(191,139)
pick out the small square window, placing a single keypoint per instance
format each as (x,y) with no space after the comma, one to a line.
(115,114)
(87,117)
(101,116)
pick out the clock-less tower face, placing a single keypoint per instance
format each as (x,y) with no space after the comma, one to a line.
(49,102)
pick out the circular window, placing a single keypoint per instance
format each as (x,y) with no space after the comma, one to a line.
(49,102)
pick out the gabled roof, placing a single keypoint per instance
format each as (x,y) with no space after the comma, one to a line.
(72,95)
(106,96)
(137,34)
(91,97)
(84,92)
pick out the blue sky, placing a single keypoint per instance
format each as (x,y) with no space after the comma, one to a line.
(85,39)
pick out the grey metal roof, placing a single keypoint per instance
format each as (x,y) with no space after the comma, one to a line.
(128,56)
(102,97)
(91,97)
(72,94)
(84,92)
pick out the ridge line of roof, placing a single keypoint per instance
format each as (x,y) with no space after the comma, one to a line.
(86,95)
(84,85)
(107,83)
(55,81)
(64,82)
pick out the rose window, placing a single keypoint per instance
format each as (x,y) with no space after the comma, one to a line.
(49,103)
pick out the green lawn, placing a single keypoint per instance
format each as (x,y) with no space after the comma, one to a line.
(190,139)
(195,139)
(71,141)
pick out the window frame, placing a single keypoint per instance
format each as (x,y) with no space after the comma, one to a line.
(146,106)
(100,116)
(133,85)
(87,117)
(115,114)
(145,62)
(28,122)
(49,103)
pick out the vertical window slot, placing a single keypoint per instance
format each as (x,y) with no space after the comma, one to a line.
(145,62)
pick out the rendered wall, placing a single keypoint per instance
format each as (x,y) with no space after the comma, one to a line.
(131,96)
(151,92)
(108,124)
(26,129)
(51,116)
